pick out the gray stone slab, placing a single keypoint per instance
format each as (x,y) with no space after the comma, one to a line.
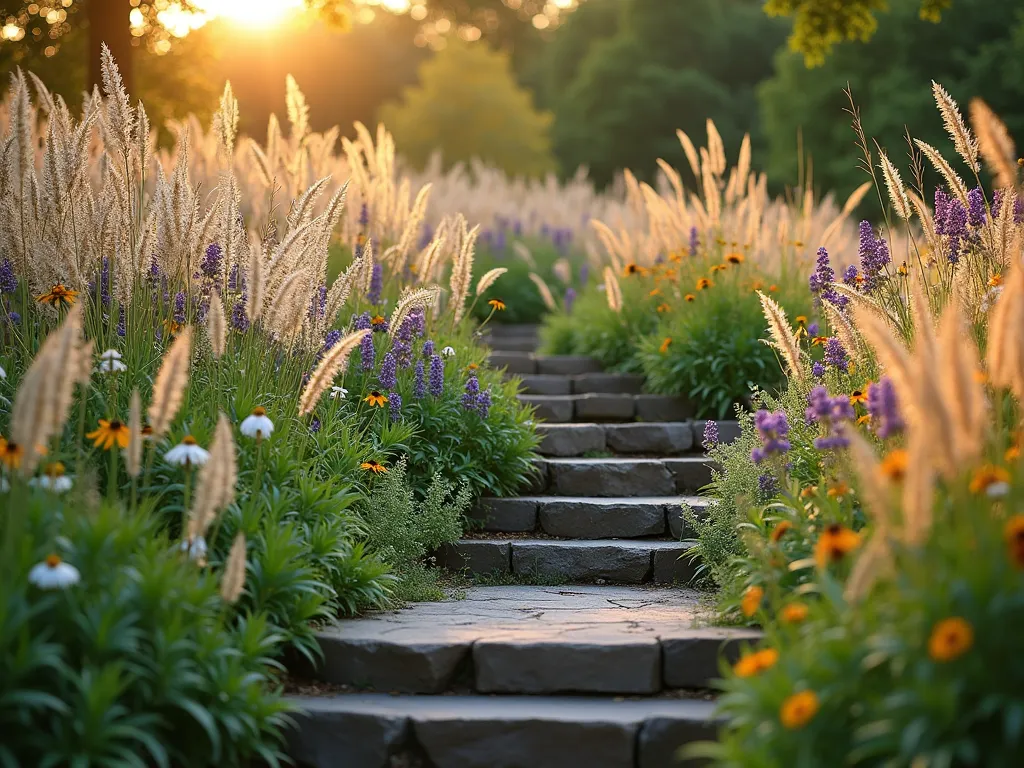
(610,477)
(512,515)
(662,408)
(551,408)
(478,556)
(611,664)
(608,383)
(603,407)
(625,562)
(601,518)
(691,473)
(659,438)
(323,738)
(567,365)
(498,731)
(514,330)
(671,566)
(727,432)
(570,439)
(660,739)
(536,384)
(512,344)
(382,664)
(514,362)
(692,659)
(678,527)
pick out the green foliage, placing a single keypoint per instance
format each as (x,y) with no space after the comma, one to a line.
(885,695)
(619,99)
(976,51)
(139,663)
(524,303)
(465,80)
(716,355)
(404,530)
(595,330)
(818,25)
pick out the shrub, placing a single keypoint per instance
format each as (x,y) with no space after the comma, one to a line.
(139,662)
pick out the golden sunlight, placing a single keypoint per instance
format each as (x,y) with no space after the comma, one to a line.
(251,13)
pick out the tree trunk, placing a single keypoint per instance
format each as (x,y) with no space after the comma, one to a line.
(108,23)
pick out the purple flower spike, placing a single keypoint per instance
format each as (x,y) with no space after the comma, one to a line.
(436,375)
(8,282)
(388,376)
(395,406)
(366,352)
(835,355)
(883,406)
(772,428)
(376,284)
(419,387)
(710,434)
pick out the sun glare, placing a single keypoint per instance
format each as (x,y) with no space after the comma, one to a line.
(251,13)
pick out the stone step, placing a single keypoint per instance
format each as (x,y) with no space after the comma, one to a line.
(532,640)
(382,731)
(621,476)
(512,343)
(537,384)
(584,517)
(650,438)
(572,561)
(560,409)
(512,330)
(585,384)
(554,365)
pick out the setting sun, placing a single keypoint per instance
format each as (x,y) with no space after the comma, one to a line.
(252,13)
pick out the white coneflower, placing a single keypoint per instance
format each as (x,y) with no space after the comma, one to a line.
(54,573)
(195,547)
(448,351)
(110,362)
(338,393)
(187,453)
(256,424)
(53,479)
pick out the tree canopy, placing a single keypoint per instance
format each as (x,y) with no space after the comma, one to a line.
(467,104)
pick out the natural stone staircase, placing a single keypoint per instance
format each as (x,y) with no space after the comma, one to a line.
(610,673)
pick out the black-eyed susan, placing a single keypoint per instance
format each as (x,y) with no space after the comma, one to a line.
(755,663)
(717,268)
(990,480)
(689,297)
(472,367)
(703,284)
(801,320)
(378,320)
(498,305)
(11,454)
(817,341)
(865,419)
(780,530)
(374,466)
(376,399)
(996,280)
(950,639)
(173,327)
(799,709)
(663,308)
(735,258)
(902,269)
(858,396)
(751,600)
(835,543)
(1013,533)
(58,296)
(665,344)
(633,269)
(894,465)
(794,613)
(109,433)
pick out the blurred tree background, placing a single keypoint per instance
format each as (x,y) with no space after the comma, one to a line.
(537,85)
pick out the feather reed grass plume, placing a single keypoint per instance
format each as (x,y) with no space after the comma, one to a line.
(217,326)
(545,292)
(133,456)
(1005,352)
(894,185)
(691,153)
(783,339)
(877,497)
(524,254)
(288,309)
(918,488)
(257,282)
(42,401)
(613,292)
(215,485)
(962,392)
(424,298)
(327,370)
(995,143)
(170,383)
(892,355)
(233,581)
(965,143)
(956,184)
(845,332)
(489,279)
(462,273)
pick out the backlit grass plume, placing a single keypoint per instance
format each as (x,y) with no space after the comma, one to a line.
(233,579)
(545,292)
(217,327)
(44,396)
(170,383)
(489,279)
(613,292)
(215,487)
(323,376)
(965,143)
(783,339)
(995,143)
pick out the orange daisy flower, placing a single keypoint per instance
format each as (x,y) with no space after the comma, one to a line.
(376,399)
(110,433)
